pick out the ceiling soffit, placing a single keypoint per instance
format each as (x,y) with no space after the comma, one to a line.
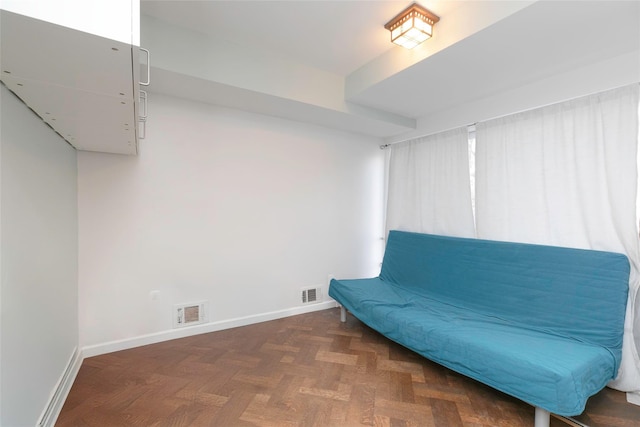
(479,49)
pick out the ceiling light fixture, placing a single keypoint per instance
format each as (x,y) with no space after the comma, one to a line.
(412,26)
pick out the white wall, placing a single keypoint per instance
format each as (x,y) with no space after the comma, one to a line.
(239,209)
(39,248)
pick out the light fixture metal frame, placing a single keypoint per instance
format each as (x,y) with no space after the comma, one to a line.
(414,11)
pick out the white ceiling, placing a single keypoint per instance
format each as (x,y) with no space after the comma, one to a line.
(310,32)
(545,39)
(324,62)
(301,59)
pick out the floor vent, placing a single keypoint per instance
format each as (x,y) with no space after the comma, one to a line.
(189,314)
(311,295)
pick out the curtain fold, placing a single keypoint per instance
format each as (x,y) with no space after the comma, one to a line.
(428,186)
(566,175)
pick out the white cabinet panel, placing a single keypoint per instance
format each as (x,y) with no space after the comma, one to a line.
(113,19)
(83,85)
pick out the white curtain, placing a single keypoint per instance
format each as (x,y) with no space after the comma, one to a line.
(566,175)
(428,187)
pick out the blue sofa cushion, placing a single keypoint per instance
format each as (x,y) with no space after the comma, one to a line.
(572,292)
(502,313)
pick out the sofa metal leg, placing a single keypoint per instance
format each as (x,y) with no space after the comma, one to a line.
(542,417)
(343,314)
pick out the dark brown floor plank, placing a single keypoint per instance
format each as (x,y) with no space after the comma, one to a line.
(308,370)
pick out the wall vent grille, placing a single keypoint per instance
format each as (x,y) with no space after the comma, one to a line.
(311,295)
(190,314)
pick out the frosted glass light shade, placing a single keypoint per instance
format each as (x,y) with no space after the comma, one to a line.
(412,26)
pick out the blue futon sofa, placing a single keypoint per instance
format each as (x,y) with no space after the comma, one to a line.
(541,323)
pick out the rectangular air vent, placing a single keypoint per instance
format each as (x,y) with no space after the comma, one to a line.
(311,295)
(189,314)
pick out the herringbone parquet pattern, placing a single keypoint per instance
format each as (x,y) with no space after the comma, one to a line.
(307,370)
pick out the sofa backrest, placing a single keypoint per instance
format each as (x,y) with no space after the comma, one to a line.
(570,292)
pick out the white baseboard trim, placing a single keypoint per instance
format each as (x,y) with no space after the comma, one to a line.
(61,391)
(633,397)
(109,347)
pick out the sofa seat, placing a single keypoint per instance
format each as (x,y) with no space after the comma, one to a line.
(541,323)
(539,367)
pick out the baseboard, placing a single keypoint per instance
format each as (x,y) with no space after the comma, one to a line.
(61,391)
(109,347)
(633,397)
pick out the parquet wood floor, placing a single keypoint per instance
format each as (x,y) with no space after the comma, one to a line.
(307,370)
